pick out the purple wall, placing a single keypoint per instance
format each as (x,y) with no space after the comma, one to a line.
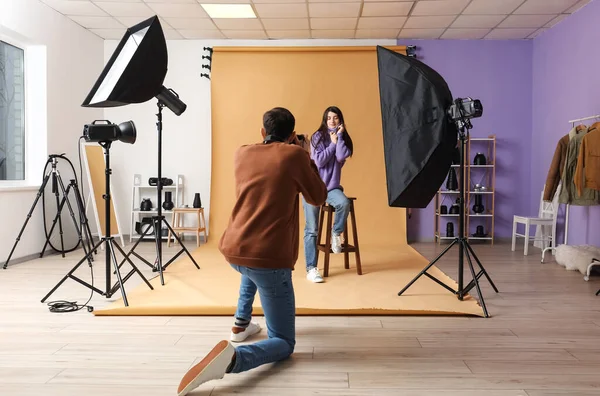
(566,81)
(499,73)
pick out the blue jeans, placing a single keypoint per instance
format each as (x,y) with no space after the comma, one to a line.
(341,204)
(279,306)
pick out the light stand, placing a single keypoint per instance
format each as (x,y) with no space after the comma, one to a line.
(464,248)
(135,74)
(110,246)
(158,220)
(57,181)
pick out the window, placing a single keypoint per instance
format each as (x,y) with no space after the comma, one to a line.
(12,112)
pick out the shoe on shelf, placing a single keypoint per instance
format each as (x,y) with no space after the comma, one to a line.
(314,275)
(239,334)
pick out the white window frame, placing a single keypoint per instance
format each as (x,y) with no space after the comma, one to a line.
(35,93)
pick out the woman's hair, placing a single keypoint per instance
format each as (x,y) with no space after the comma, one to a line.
(322,131)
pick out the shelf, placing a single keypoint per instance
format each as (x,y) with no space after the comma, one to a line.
(136,211)
(474,166)
(142,190)
(155,187)
(482,174)
(150,237)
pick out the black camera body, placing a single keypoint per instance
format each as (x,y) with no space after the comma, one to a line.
(164,181)
(109,132)
(465,109)
(101,132)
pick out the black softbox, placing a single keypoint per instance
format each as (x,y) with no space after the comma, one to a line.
(418,136)
(136,70)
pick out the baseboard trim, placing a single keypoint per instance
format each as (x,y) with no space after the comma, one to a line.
(28,257)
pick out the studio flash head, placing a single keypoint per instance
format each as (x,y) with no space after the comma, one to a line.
(466,108)
(109,132)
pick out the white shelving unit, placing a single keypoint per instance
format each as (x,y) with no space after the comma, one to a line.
(474,174)
(141,190)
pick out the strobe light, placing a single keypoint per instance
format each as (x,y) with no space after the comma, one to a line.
(465,109)
(108,132)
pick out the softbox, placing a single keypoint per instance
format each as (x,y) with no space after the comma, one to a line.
(418,136)
(136,70)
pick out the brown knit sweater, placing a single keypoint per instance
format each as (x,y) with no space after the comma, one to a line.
(264,225)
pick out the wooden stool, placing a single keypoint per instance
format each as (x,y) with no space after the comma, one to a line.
(177,223)
(346,248)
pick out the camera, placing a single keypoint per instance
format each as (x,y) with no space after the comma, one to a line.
(465,109)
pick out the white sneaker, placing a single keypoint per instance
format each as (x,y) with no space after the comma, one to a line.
(336,243)
(314,275)
(239,334)
(213,366)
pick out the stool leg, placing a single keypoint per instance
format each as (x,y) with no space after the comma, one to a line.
(345,247)
(319,233)
(173,217)
(198,230)
(355,234)
(204,226)
(327,242)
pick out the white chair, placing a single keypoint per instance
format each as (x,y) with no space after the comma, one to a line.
(546,223)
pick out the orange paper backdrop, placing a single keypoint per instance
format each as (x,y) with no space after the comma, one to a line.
(248,81)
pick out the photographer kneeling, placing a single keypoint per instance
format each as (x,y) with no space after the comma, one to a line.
(261,243)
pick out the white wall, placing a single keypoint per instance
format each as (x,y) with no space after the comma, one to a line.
(187,138)
(74,61)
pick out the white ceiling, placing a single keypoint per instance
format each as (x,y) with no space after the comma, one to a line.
(330,19)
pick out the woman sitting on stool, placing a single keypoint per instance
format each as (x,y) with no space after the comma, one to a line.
(330,146)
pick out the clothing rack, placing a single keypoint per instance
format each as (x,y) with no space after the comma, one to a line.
(568,205)
(584,119)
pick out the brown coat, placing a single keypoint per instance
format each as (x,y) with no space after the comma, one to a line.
(263,230)
(587,174)
(556,168)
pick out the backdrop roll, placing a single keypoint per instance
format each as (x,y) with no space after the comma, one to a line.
(247,81)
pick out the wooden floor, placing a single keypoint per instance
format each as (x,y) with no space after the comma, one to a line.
(542,339)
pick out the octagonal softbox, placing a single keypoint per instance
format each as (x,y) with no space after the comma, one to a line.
(136,70)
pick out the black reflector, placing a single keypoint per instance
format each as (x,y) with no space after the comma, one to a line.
(418,136)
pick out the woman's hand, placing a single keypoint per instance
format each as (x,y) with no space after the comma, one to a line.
(340,128)
(334,137)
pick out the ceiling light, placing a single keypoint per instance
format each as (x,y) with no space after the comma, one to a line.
(229,10)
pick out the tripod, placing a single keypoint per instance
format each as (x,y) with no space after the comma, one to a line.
(158,220)
(110,246)
(464,248)
(57,181)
